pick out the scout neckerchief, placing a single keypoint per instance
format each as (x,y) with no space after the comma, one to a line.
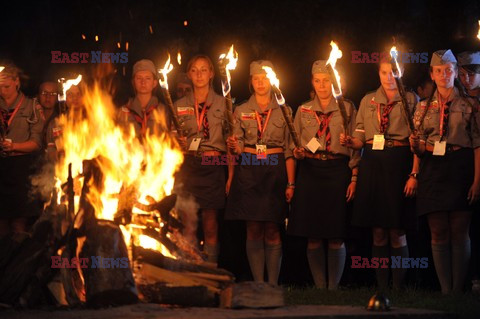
(142,120)
(324,128)
(383,117)
(202,118)
(262,123)
(9,115)
(444,111)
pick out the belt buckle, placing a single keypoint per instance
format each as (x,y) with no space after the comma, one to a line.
(323,157)
(389,143)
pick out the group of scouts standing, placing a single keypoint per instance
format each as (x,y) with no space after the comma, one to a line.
(376,161)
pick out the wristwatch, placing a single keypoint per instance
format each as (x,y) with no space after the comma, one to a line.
(414,175)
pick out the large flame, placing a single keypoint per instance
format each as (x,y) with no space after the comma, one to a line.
(232,58)
(148,167)
(335,54)
(66,85)
(166,69)
(394,55)
(274,82)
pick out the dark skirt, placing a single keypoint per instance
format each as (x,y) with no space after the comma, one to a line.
(444,181)
(380,200)
(206,183)
(319,207)
(16,199)
(258,191)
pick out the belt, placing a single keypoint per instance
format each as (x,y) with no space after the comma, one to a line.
(450,148)
(275,150)
(325,156)
(392,143)
(203,153)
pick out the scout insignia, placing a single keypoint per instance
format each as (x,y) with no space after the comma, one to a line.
(248,116)
(185,110)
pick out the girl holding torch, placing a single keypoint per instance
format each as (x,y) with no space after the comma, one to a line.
(386,177)
(264,179)
(449,178)
(201,115)
(327,174)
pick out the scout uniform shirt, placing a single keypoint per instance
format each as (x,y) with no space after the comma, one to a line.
(23,120)
(275,133)
(459,116)
(376,116)
(326,125)
(205,121)
(132,113)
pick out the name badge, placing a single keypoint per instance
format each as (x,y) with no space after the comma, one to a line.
(313,145)
(439,148)
(378,142)
(195,144)
(261,151)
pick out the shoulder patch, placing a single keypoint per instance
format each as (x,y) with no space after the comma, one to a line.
(185,110)
(248,116)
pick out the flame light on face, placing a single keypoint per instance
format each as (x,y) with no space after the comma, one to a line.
(67,85)
(232,58)
(335,54)
(179,58)
(394,55)
(275,83)
(166,69)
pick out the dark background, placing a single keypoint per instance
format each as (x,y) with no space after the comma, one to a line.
(292,34)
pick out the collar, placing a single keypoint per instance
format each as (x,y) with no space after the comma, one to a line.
(253,105)
(210,97)
(332,105)
(6,107)
(135,106)
(381,98)
(452,96)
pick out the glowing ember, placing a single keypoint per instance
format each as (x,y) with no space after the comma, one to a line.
(67,85)
(179,58)
(275,82)
(151,29)
(96,38)
(126,46)
(394,55)
(232,58)
(166,69)
(335,54)
(83,36)
(185,23)
(118,45)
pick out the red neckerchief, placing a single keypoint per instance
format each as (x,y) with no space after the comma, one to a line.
(324,128)
(262,122)
(143,120)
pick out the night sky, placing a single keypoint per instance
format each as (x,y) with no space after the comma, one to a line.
(292,34)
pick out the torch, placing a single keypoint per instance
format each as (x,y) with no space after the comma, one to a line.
(228,62)
(65,86)
(478,34)
(166,94)
(336,54)
(3,129)
(397,74)
(281,101)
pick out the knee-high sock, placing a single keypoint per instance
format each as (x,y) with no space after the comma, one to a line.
(381,273)
(273,258)
(256,258)
(316,261)
(398,273)
(336,263)
(443,267)
(212,252)
(460,261)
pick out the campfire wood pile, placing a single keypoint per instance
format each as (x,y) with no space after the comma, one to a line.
(27,278)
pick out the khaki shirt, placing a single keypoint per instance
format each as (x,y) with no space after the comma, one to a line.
(216,120)
(368,124)
(307,126)
(463,121)
(27,125)
(276,133)
(133,113)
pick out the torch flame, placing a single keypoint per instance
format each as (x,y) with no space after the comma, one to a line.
(179,58)
(275,82)
(335,54)
(1,68)
(232,58)
(166,69)
(67,85)
(394,55)
(478,35)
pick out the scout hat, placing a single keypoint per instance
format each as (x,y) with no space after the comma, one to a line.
(442,57)
(319,66)
(468,58)
(144,65)
(256,66)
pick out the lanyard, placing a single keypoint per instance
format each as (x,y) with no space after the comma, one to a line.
(261,128)
(199,118)
(15,111)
